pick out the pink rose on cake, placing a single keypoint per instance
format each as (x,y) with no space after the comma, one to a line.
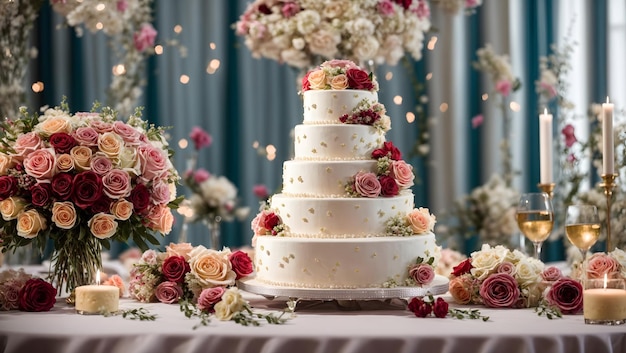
(366,184)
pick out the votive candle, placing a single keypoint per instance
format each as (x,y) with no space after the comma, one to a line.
(545,147)
(96,298)
(607,138)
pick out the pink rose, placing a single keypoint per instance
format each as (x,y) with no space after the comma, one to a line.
(388,186)
(423,10)
(306,84)
(402,173)
(100,164)
(129,134)
(260,191)
(27,143)
(359,79)
(154,162)
(366,184)
(40,164)
(440,308)
(145,37)
(422,274)
(168,292)
(551,274)
(477,121)
(504,87)
(209,297)
(121,5)
(419,307)
(499,290)
(101,126)
(160,193)
(567,295)
(569,135)
(600,264)
(341,64)
(175,268)
(385,7)
(290,9)
(86,136)
(10,295)
(241,262)
(462,289)
(200,138)
(180,249)
(116,184)
(160,219)
(506,267)
(201,175)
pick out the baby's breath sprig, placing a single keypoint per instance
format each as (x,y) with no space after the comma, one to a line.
(472,314)
(549,311)
(191,311)
(247,317)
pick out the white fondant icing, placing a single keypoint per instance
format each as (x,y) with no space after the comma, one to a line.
(336,142)
(322,178)
(329,105)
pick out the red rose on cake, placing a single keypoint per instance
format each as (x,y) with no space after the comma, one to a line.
(267,222)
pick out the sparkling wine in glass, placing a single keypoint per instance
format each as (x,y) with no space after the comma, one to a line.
(535,218)
(582,227)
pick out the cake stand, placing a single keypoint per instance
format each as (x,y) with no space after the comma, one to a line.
(294,295)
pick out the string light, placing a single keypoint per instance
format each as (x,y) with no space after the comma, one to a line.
(213,66)
(212,46)
(389,76)
(397,100)
(158,50)
(37,87)
(429,76)
(99,26)
(183,143)
(255,144)
(443,107)
(184,79)
(410,117)
(178,29)
(516,107)
(432,42)
(119,70)
(485,96)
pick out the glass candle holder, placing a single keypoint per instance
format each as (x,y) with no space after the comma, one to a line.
(604,301)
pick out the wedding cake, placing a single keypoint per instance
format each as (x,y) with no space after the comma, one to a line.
(346,216)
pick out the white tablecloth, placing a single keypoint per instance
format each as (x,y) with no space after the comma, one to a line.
(323,328)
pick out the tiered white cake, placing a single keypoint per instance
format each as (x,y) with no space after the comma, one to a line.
(346,216)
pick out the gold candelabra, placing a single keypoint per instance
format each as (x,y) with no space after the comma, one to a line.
(548,188)
(608,183)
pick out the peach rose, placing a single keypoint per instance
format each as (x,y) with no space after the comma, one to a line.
(116,281)
(160,219)
(29,223)
(600,264)
(65,163)
(54,125)
(26,144)
(6,163)
(461,289)
(402,173)
(339,82)
(180,249)
(232,302)
(122,209)
(102,225)
(421,221)
(317,79)
(82,157)
(64,215)
(11,207)
(110,144)
(40,164)
(211,267)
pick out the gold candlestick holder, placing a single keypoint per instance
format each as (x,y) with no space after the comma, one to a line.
(608,183)
(548,188)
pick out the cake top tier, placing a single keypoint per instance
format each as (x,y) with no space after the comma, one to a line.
(339,75)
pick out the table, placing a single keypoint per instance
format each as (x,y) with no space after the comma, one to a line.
(377,327)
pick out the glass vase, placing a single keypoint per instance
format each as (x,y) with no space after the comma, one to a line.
(215,232)
(75,264)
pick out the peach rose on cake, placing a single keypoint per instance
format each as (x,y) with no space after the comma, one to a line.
(29,223)
(11,207)
(102,225)
(317,79)
(212,268)
(64,215)
(339,82)
(421,221)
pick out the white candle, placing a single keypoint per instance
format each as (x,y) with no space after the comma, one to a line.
(545,147)
(607,138)
(97,299)
(604,304)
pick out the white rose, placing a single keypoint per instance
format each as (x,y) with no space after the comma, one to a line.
(528,272)
(307,21)
(232,302)
(487,260)
(324,42)
(218,190)
(366,48)
(298,43)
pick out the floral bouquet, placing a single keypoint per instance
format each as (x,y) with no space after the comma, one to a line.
(613,264)
(299,32)
(82,180)
(339,75)
(201,280)
(20,291)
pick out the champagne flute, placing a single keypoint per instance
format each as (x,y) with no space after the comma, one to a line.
(535,218)
(582,227)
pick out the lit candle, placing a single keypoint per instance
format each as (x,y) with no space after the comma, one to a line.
(607,138)
(97,299)
(545,147)
(605,304)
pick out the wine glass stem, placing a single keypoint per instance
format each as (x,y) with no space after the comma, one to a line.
(583,269)
(537,250)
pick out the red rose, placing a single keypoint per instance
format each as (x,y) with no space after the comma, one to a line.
(37,295)
(103,204)
(175,268)
(41,193)
(567,295)
(404,3)
(462,268)
(62,142)
(499,290)
(388,186)
(359,79)
(8,186)
(140,198)
(270,221)
(306,85)
(86,189)
(241,262)
(388,150)
(62,186)
(419,307)
(440,308)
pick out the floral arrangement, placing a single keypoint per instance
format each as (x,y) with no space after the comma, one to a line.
(339,75)
(487,211)
(201,280)
(368,113)
(128,23)
(21,291)
(421,274)
(418,221)
(267,222)
(299,32)
(16,20)
(613,264)
(82,180)
(214,198)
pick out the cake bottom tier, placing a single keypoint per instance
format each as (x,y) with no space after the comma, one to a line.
(339,263)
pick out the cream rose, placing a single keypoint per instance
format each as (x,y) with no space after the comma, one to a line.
(324,42)
(339,82)
(122,209)
(11,207)
(486,260)
(6,162)
(82,157)
(421,221)
(317,79)
(620,256)
(102,225)
(232,302)
(65,163)
(64,215)
(53,125)
(528,272)
(180,249)
(212,268)
(110,144)
(29,223)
